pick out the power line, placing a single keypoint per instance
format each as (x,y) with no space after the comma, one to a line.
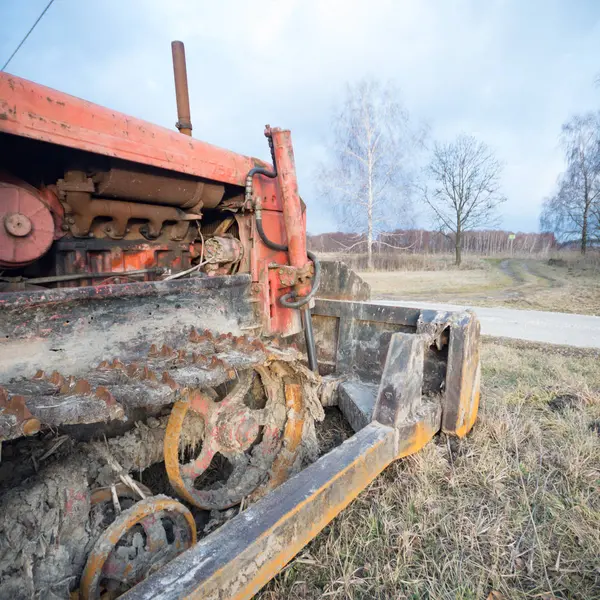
(27,35)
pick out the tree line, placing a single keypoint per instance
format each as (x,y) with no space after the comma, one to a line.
(380,161)
(485,242)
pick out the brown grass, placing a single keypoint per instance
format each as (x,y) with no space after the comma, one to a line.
(405,261)
(514,508)
(565,283)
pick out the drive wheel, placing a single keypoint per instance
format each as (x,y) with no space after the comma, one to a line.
(240,440)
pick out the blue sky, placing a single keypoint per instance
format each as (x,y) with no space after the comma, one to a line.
(507,71)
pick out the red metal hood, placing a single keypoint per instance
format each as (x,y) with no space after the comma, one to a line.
(34,111)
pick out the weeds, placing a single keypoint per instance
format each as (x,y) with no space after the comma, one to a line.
(513,509)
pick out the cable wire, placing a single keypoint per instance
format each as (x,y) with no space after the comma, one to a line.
(27,35)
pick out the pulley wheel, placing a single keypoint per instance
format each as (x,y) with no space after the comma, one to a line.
(26,226)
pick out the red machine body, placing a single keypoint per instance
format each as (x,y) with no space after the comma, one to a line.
(118,195)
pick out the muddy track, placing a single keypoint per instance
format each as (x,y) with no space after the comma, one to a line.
(527,277)
(533,268)
(507,266)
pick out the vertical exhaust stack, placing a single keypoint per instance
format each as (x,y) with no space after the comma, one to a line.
(184,120)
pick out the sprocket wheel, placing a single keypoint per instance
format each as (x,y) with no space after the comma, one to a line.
(249,439)
(137,543)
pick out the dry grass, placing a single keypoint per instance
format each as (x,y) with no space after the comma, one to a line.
(405,261)
(432,285)
(514,508)
(566,284)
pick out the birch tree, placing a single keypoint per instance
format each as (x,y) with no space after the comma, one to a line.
(366,176)
(573,213)
(462,188)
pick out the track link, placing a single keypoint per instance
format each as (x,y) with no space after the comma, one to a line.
(114,389)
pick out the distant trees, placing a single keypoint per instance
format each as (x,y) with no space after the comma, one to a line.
(463,188)
(573,213)
(366,175)
(487,242)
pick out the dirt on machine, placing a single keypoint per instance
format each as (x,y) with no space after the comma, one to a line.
(171,353)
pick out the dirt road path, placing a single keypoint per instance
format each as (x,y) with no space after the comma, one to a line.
(581,331)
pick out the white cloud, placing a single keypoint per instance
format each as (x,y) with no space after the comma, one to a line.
(507,71)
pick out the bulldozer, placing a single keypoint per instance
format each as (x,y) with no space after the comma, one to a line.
(170,351)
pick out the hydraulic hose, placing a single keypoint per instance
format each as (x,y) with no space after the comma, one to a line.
(287,300)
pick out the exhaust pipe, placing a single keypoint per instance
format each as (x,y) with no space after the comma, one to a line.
(184,120)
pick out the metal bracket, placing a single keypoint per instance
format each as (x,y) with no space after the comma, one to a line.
(290,276)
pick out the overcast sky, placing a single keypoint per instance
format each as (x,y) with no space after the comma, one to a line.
(507,71)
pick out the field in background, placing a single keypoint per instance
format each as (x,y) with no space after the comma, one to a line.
(562,282)
(512,511)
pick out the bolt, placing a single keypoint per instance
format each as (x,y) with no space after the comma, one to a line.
(17,224)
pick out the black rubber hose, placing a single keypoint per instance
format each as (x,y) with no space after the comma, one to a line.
(263,236)
(260,171)
(286,299)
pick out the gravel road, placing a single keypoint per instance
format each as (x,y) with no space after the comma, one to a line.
(581,331)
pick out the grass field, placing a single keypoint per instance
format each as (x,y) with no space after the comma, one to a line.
(510,512)
(564,285)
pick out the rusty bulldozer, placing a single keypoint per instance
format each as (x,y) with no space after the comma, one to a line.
(169,348)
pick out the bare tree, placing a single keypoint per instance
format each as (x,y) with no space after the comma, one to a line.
(366,177)
(573,213)
(463,188)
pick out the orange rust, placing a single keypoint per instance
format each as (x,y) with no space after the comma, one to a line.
(171,449)
(104,394)
(105,544)
(184,122)
(166,378)
(57,379)
(31,426)
(16,406)
(292,436)
(131,369)
(82,386)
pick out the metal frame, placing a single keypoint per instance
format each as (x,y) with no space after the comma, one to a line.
(399,416)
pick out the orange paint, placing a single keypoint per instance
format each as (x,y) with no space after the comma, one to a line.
(422,435)
(292,438)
